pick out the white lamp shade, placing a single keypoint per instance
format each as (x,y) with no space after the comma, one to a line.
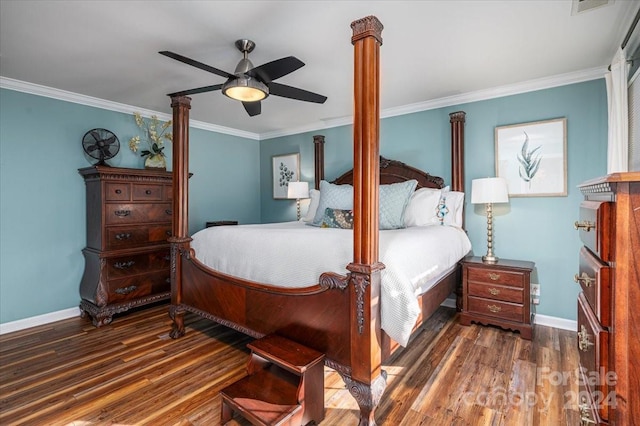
(489,190)
(298,190)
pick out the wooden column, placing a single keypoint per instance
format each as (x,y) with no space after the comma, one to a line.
(180,228)
(318,146)
(457,120)
(367,380)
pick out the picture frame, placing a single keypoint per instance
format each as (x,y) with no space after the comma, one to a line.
(285,169)
(532,157)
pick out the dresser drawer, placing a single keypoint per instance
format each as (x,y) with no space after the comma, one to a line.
(493,276)
(138,286)
(587,406)
(120,214)
(148,192)
(495,308)
(593,345)
(122,266)
(594,278)
(117,191)
(136,236)
(593,227)
(168,192)
(496,292)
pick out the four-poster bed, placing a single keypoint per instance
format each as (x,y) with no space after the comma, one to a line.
(339,316)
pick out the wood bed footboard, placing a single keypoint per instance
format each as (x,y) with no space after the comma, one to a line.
(340,317)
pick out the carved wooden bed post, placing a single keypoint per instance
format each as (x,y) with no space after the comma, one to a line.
(457,150)
(367,380)
(180,229)
(318,158)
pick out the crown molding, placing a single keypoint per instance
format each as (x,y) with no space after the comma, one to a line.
(63,95)
(479,95)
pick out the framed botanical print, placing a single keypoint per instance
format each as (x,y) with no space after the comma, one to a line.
(286,168)
(532,157)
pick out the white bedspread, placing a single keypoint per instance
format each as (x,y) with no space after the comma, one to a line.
(294,254)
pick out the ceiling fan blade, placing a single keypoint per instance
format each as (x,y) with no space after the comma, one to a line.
(196,64)
(197,90)
(253,108)
(285,91)
(276,69)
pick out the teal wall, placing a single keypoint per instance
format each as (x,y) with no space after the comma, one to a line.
(539,229)
(42,196)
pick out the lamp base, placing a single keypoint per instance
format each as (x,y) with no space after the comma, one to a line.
(490,259)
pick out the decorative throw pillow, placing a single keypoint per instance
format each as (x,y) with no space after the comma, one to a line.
(422,205)
(337,218)
(333,196)
(393,202)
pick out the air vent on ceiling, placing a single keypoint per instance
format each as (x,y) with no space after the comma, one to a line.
(579,6)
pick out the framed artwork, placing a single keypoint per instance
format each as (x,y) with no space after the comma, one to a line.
(286,168)
(532,157)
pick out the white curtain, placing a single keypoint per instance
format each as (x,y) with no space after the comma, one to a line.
(618,147)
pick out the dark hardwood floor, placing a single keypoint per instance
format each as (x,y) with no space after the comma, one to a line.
(131,373)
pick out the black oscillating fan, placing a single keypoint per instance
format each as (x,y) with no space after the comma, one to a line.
(100,144)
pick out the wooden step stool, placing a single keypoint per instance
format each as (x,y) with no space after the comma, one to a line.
(285,385)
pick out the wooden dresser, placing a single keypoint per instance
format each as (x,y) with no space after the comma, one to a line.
(609,304)
(127,257)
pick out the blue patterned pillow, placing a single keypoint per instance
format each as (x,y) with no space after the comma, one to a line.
(337,218)
(394,199)
(335,197)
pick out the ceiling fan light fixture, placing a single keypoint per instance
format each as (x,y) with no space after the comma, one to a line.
(245,89)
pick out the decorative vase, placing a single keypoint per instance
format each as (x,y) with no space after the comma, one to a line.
(156,161)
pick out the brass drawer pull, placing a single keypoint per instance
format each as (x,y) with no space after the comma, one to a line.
(585,412)
(124,265)
(169,212)
(493,276)
(122,213)
(585,224)
(148,192)
(494,308)
(123,236)
(118,191)
(583,339)
(586,279)
(126,290)
(494,291)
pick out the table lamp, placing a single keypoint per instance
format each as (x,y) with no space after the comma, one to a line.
(489,191)
(298,190)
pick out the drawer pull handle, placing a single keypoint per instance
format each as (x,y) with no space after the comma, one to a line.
(494,308)
(126,290)
(168,233)
(148,192)
(494,277)
(124,265)
(122,213)
(123,236)
(169,212)
(494,291)
(168,280)
(583,339)
(585,224)
(118,191)
(584,278)
(585,413)
(167,257)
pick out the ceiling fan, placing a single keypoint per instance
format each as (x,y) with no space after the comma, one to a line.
(250,84)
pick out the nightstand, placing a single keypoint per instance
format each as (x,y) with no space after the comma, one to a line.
(497,294)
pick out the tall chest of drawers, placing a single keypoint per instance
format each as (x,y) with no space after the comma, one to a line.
(127,256)
(609,303)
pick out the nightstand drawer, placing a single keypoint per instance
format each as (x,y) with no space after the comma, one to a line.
(496,276)
(496,292)
(495,308)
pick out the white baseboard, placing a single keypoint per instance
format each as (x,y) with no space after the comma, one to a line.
(22,324)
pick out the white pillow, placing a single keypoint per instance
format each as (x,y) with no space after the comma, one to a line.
(314,194)
(450,207)
(422,207)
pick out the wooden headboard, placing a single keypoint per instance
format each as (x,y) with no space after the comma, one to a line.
(392,171)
